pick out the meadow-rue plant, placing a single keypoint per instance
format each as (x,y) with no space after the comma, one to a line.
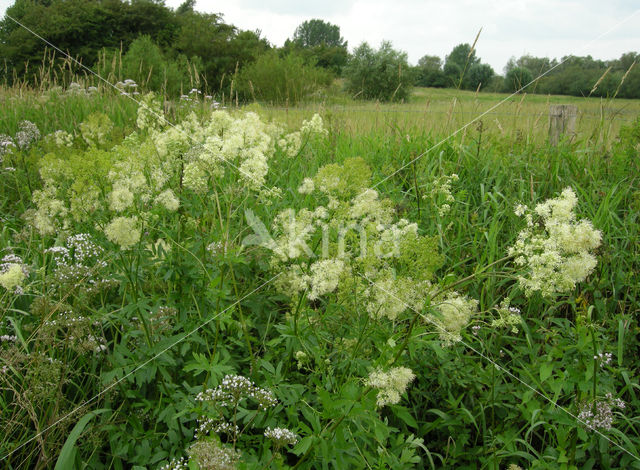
(390,384)
(12,276)
(124,231)
(557,251)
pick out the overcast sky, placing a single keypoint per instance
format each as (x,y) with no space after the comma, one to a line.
(551,28)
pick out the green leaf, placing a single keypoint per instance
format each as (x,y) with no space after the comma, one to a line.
(546,370)
(402,413)
(303,445)
(66,459)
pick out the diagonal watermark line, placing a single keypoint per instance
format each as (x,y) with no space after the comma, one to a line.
(501,368)
(139,103)
(500,103)
(137,368)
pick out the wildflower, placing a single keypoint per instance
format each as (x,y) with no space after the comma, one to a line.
(120,198)
(455,312)
(291,144)
(213,455)
(123,231)
(313,126)
(27,134)
(49,211)
(12,278)
(63,138)
(325,275)
(168,199)
(391,385)
(6,145)
(557,254)
(176,464)
(306,187)
(96,128)
(603,358)
(509,316)
(281,436)
(234,388)
(389,296)
(599,413)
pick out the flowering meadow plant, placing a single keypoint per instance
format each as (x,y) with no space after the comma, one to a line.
(225,292)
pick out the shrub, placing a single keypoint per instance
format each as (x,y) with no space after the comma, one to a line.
(145,63)
(280,80)
(378,74)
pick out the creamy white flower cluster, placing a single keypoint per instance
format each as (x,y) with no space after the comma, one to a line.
(455,312)
(556,253)
(95,129)
(440,193)
(359,238)
(13,273)
(211,454)
(61,138)
(244,142)
(293,143)
(390,384)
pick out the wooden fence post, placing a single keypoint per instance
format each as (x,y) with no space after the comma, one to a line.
(562,121)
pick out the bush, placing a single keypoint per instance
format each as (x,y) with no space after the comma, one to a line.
(281,80)
(145,63)
(381,74)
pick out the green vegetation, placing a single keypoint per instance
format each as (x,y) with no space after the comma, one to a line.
(156,292)
(256,268)
(174,51)
(381,74)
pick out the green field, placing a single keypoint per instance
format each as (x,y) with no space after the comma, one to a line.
(259,288)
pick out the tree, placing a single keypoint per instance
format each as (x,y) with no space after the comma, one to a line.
(221,46)
(381,74)
(319,43)
(429,72)
(317,32)
(479,76)
(516,78)
(458,63)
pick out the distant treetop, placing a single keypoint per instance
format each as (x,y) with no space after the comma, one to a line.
(317,32)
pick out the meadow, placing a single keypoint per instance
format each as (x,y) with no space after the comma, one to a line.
(333,285)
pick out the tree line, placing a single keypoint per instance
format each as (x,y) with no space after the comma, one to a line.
(174,50)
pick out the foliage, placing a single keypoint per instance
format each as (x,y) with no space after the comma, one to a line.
(320,44)
(167,292)
(205,39)
(316,32)
(381,74)
(517,78)
(282,80)
(145,64)
(429,72)
(463,69)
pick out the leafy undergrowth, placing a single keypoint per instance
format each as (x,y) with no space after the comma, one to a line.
(227,293)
